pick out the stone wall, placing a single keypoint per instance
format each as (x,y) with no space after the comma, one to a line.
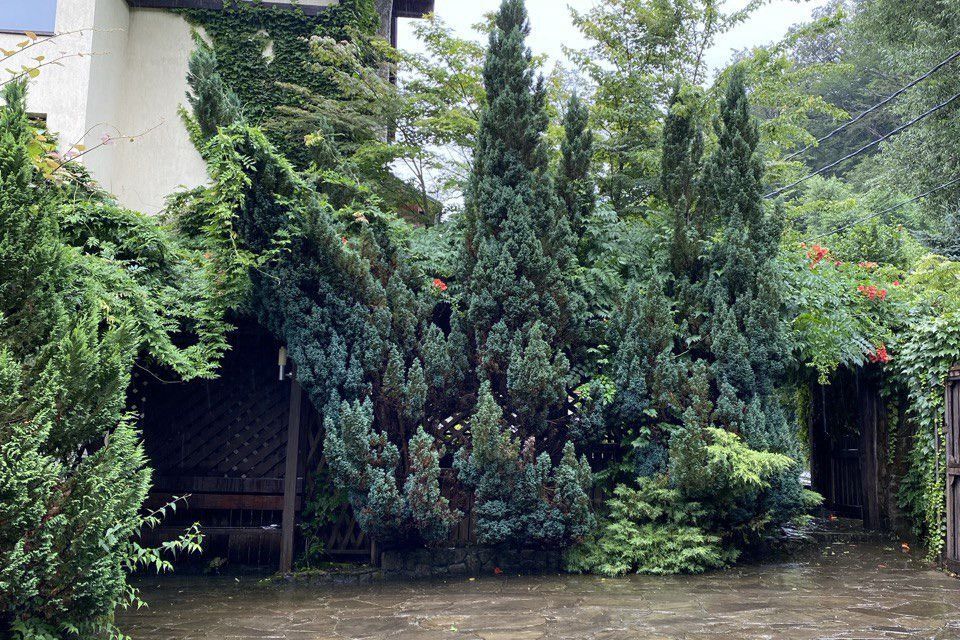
(469,561)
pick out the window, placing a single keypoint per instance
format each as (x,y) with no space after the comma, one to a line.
(28,15)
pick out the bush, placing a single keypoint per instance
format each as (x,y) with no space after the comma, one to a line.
(650,529)
(522,498)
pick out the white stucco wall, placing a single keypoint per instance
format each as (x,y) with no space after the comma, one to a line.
(123,73)
(154,86)
(111,21)
(60,92)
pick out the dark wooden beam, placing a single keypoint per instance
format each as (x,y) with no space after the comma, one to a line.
(220,501)
(290,478)
(412,8)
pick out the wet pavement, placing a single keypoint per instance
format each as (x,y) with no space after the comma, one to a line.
(855,591)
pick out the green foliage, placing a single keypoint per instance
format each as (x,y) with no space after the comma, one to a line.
(575,185)
(85,289)
(261,50)
(638,49)
(522,306)
(679,170)
(317,261)
(444,86)
(522,498)
(651,529)
(364,463)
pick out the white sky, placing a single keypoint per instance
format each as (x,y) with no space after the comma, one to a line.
(551,28)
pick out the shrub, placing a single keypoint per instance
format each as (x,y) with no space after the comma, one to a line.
(650,529)
(522,498)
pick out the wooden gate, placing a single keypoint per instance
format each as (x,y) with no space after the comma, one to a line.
(847,431)
(952,415)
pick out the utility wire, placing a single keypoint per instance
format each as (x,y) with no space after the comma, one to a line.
(885,211)
(864,148)
(875,107)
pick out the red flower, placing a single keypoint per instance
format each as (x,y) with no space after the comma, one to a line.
(880,355)
(872,292)
(440,284)
(896,283)
(817,254)
(497,571)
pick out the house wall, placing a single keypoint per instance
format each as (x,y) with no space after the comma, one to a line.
(154,86)
(60,92)
(122,73)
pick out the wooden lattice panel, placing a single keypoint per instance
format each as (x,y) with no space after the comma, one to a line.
(233,426)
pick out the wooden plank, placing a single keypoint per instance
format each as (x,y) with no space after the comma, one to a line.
(867,401)
(290,478)
(952,429)
(180,485)
(223,501)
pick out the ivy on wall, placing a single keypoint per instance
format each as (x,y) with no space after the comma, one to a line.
(261,48)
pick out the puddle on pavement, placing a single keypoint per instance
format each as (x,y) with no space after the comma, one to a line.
(833,591)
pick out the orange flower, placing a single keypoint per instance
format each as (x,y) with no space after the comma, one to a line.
(817,254)
(440,284)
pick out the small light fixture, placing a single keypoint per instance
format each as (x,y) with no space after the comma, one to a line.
(282,362)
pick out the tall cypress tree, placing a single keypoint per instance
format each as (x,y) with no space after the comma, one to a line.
(680,166)
(747,332)
(575,186)
(521,305)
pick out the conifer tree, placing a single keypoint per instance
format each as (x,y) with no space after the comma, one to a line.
(680,166)
(353,313)
(85,289)
(522,307)
(522,498)
(575,185)
(746,332)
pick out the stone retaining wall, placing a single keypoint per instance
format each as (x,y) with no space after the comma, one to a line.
(432,563)
(469,561)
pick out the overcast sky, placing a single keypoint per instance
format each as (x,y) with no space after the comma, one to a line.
(551,28)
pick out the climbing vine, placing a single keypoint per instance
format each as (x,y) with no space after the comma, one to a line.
(261,49)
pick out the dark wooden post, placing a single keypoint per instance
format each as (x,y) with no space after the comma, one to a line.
(868,399)
(952,432)
(290,478)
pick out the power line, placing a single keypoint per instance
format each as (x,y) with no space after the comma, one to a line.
(875,107)
(864,148)
(885,211)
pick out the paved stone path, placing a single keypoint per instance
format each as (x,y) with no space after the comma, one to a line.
(836,591)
